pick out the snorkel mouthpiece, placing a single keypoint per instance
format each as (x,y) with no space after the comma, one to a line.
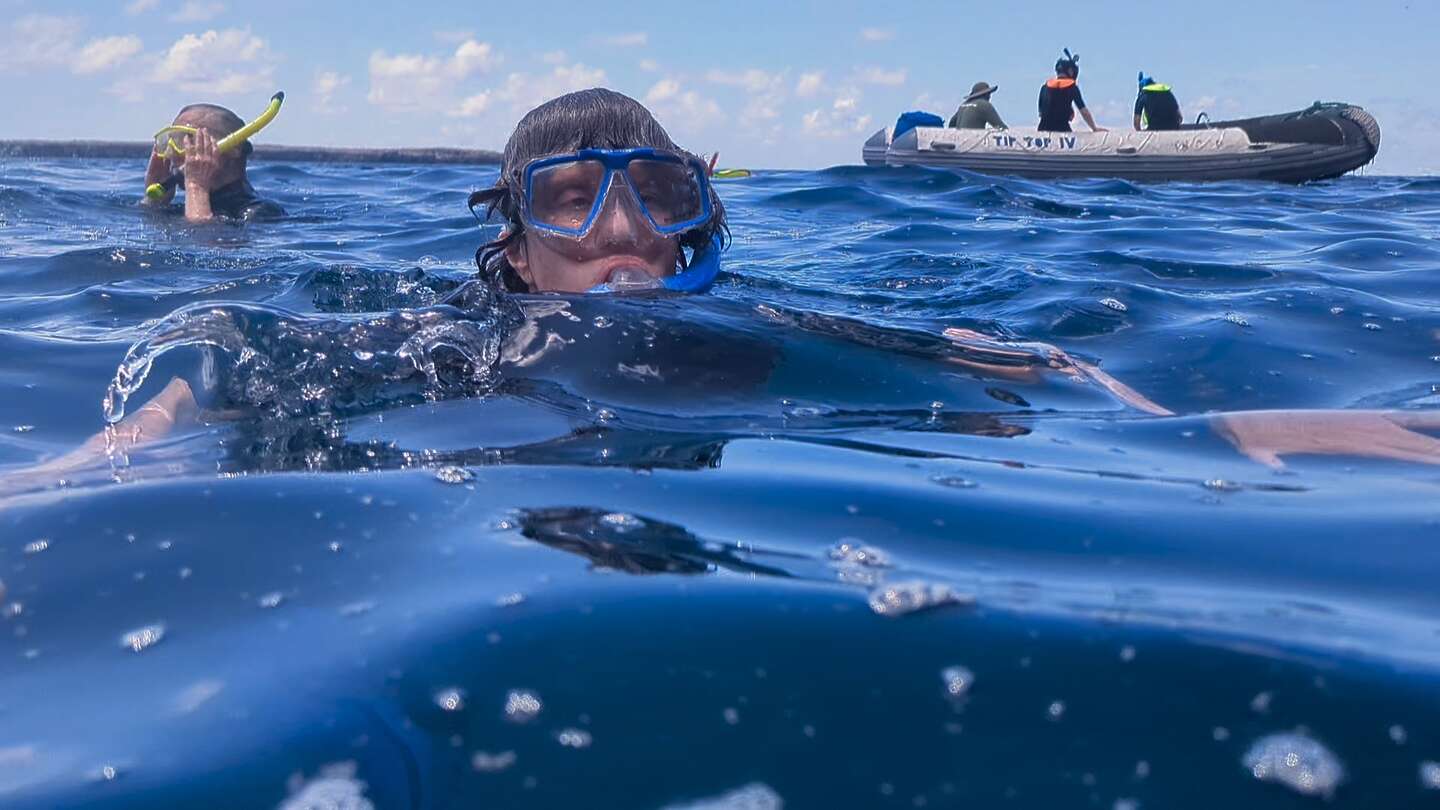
(157,190)
(632,279)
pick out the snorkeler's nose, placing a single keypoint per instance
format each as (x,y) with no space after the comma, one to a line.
(620,220)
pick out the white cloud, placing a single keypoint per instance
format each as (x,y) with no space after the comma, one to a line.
(418,81)
(630,39)
(881,76)
(553,57)
(327,83)
(809,84)
(877,34)
(472,106)
(220,62)
(105,53)
(649,65)
(523,91)
(198,11)
(39,40)
(842,119)
(140,6)
(753,80)
(48,42)
(679,109)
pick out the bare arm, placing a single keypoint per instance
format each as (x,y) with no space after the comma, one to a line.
(202,164)
(1090,119)
(1137,123)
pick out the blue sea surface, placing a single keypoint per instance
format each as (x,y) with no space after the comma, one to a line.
(788,544)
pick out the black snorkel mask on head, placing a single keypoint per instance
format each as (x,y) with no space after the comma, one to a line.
(1068,65)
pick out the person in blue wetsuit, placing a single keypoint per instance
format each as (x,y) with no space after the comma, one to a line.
(1156,108)
(1060,93)
(597,197)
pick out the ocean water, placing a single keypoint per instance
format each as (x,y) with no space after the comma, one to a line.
(789,544)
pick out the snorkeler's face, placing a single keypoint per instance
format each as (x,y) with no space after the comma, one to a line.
(620,243)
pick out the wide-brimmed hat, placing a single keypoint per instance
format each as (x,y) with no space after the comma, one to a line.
(980,90)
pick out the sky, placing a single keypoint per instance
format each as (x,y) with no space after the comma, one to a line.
(767,84)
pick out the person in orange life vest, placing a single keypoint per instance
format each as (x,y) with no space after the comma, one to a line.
(1058,94)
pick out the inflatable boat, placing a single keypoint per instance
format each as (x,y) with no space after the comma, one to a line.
(1324,140)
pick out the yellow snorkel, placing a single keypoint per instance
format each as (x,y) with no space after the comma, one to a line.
(157,190)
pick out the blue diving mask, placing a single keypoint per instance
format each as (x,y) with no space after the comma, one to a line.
(563,195)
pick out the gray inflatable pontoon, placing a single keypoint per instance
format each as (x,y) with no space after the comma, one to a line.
(1324,140)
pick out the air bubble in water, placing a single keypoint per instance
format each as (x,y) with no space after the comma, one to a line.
(958,681)
(953,481)
(144,638)
(1295,761)
(450,700)
(851,551)
(1055,710)
(1236,319)
(453,475)
(271,600)
(1115,304)
(1430,775)
(574,738)
(510,600)
(486,762)
(37,546)
(754,796)
(904,598)
(522,706)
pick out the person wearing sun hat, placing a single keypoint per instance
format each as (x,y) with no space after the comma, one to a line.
(976,111)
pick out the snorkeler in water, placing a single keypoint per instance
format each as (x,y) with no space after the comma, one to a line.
(597,198)
(193,153)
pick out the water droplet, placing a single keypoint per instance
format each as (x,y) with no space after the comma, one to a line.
(334,546)
(271,600)
(731,715)
(953,481)
(1295,761)
(621,521)
(574,738)
(37,546)
(1373,327)
(1236,319)
(1336,310)
(850,551)
(1430,775)
(1221,485)
(23,428)
(1055,710)
(450,700)
(453,475)
(1115,304)
(485,762)
(904,598)
(510,600)
(958,680)
(937,405)
(522,706)
(364,356)
(144,638)
(605,415)
(602,322)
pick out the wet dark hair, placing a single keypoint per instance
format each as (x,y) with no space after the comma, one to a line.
(226,118)
(587,119)
(1068,65)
